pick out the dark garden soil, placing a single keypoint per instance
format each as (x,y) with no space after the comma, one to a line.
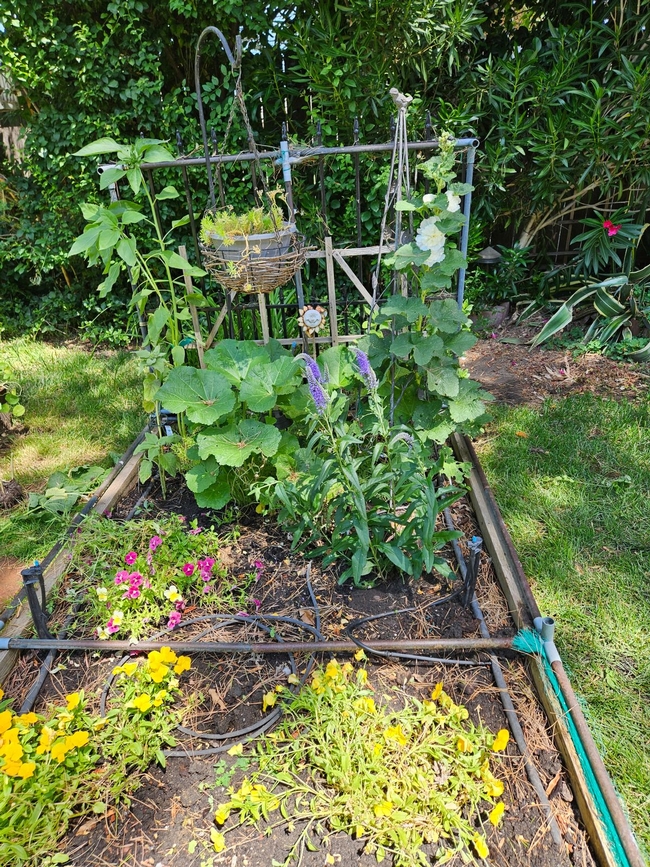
(169,821)
(516,374)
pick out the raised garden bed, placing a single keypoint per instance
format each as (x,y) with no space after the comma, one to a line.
(171,818)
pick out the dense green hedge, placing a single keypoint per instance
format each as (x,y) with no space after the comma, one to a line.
(557,92)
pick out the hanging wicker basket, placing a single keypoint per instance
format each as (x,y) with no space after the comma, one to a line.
(254,263)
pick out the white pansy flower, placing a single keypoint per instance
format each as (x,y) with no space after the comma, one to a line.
(429,237)
(453,202)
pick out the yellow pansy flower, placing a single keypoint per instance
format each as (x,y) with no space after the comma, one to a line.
(12,751)
(436,692)
(223,811)
(497,813)
(27,719)
(184,663)
(19,769)
(158,672)
(463,745)
(159,698)
(78,739)
(218,841)
(385,808)
(395,733)
(2,693)
(501,740)
(332,670)
(102,593)
(59,750)
(362,677)
(46,739)
(5,721)
(269,700)
(360,655)
(142,702)
(168,655)
(236,750)
(481,846)
(73,700)
(365,705)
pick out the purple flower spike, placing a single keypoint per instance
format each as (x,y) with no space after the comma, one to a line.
(311,367)
(366,371)
(317,392)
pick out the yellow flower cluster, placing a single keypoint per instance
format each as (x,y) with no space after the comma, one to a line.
(333,679)
(51,740)
(11,750)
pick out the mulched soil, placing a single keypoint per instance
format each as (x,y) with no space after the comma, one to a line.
(515,374)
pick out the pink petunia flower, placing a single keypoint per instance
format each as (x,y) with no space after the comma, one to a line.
(207,588)
(195,531)
(131,593)
(174,620)
(135,579)
(154,542)
(122,576)
(130,558)
(188,568)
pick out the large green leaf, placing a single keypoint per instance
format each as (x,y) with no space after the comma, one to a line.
(398,305)
(215,497)
(468,404)
(234,358)
(260,390)
(204,395)
(232,446)
(443,380)
(426,348)
(209,485)
(96,148)
(446,316)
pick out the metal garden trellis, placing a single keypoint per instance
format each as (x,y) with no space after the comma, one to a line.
(339,303)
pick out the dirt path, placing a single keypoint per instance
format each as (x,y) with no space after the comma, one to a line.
(515,374)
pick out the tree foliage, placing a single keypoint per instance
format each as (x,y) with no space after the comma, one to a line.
(556,92)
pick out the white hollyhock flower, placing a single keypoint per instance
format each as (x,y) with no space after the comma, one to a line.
(427,198)
(429,237)
(453,202)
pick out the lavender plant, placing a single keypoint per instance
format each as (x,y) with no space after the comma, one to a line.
(363,493)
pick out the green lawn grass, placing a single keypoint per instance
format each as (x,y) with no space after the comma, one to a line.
(575,494)
(81,408)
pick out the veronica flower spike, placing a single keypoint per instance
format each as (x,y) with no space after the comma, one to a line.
(317,392)
(366,371)
(311,367)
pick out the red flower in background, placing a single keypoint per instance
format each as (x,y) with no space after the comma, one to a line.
(611,228)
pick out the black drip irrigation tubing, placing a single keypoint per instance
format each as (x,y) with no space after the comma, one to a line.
(506,701)
(253,731)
